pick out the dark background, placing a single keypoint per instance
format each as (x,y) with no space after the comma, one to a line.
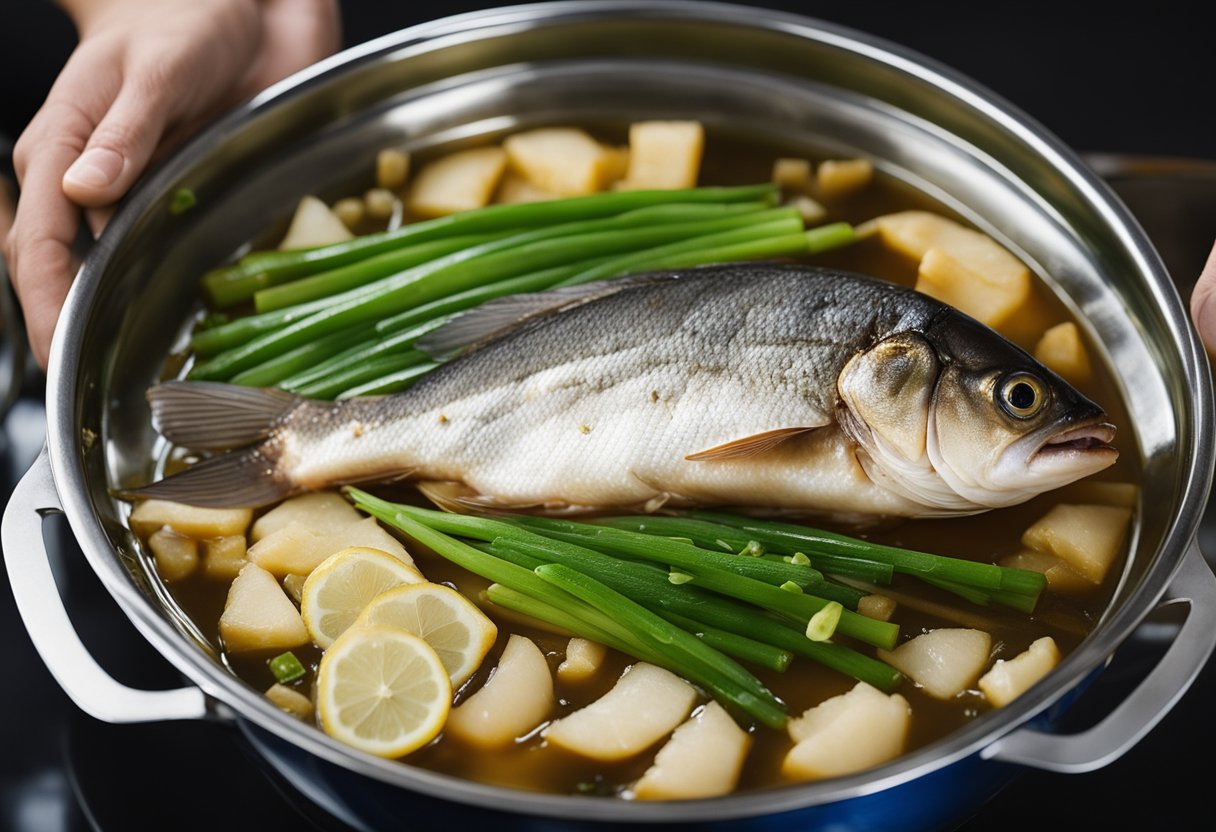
(1132,78)
(1133,82)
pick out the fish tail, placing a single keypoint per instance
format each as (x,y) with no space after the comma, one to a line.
(238,479)
(221,417)
(217,417)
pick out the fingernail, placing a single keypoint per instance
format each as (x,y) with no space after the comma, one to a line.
(97,167)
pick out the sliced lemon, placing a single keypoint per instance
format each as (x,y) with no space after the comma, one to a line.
(383,691)
(456,629)
(346,582)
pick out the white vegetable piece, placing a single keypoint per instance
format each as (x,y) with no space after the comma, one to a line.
(1061,577)
(379,204)
(314,224)
(290,700)
(812,212)
(1088,538)
(1007,680)
(293,585)
(176,555)
(943,662)
(321,511)
(392,168)
(515,189)
(459,181)
(793,174)
(224,557)
(879,607)
(561,160)
(1125,494)
(959,265)
(258,614)
(645,705)
(583,660)
(847,733)
(703,758)
(837,178)
(664,155)
(192,521)
(953,280)
(1062,350)
(297,551)
(350,210)
(516,698)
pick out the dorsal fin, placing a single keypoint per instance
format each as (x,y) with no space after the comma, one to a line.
(504,314)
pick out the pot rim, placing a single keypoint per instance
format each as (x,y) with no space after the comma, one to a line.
(239,701)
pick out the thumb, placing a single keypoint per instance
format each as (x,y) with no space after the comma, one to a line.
(1203,303)
(118,149)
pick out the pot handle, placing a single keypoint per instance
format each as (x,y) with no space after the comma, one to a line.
(1193,585)
(46,619)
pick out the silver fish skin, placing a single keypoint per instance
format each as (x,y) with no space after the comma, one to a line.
(756,386)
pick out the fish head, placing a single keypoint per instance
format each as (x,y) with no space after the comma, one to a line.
(962,420)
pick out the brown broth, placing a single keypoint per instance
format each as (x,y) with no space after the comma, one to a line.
(531,765)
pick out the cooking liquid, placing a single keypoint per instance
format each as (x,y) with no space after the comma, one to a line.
(531,764)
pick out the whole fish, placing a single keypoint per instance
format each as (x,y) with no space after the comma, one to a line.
(765,386)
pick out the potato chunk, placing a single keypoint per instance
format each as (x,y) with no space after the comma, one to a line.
(192,521)
(224,557)
(515,189)
(293,585)
(793,174)
(321,511)
(517,697)
(812,212)
(943,662)
(958,265)
(379,204)
(314,224)
(297,551)
(952,281)
(290,700)
(583,660)
(392,168)
(350,210)
(176,555)
(616,164)
(1007,680)
(645,705)
(703,758)
(847,733)
(1061,350)
(880,607)
(459,181)
(838,178)
(258,614)
(562,160)
(1088,538)
(664,155)
(1124,494)
(1060,576)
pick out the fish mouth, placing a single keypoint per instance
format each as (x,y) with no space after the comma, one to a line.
(1093,435)
(1088,444)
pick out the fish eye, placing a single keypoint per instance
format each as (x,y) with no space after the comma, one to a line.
(1022,395)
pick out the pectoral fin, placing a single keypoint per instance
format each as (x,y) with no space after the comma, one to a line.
(748,445)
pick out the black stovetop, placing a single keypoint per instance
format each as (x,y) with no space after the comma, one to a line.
(62,771)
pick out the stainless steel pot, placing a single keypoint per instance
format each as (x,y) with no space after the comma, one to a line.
(737,69)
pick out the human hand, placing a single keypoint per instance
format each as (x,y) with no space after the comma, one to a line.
(145,74)
(1203,303)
